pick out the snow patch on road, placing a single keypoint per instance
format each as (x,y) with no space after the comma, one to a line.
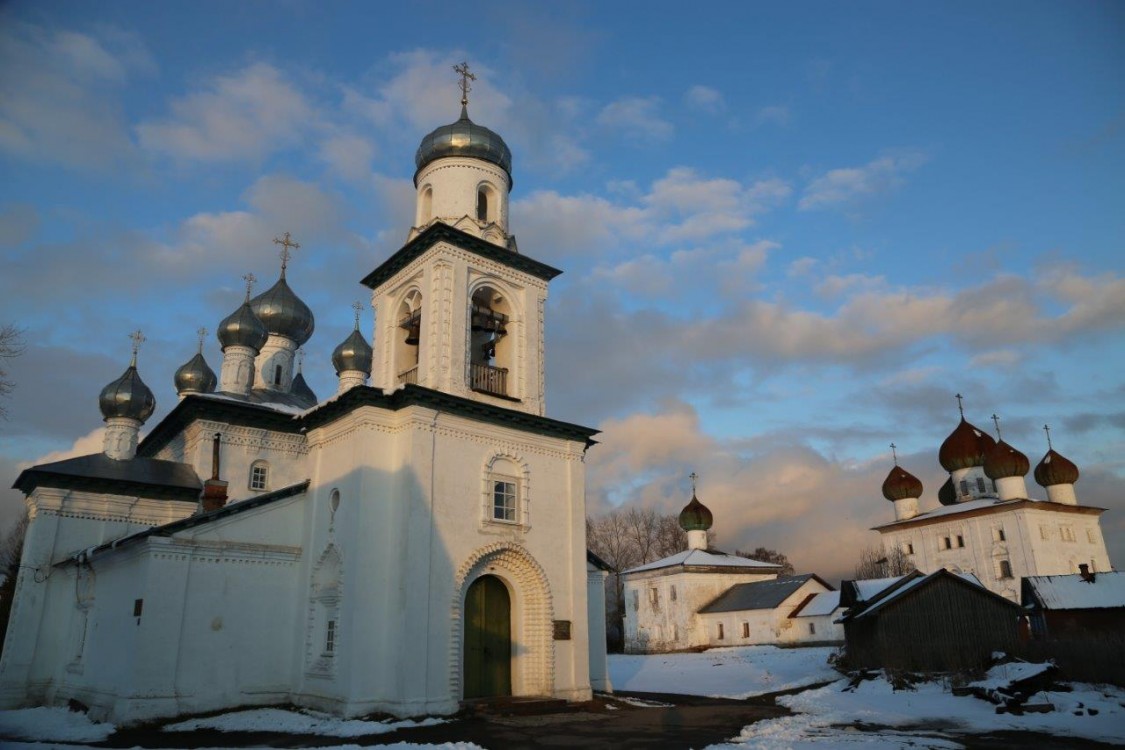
(52,725)
(295,722)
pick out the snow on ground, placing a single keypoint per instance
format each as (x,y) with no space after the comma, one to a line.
(824,715)
(1002,675)
(295,722)
(52,725)
(738,672)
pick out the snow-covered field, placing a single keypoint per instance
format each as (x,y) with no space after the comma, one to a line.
(738,672)
(928,716)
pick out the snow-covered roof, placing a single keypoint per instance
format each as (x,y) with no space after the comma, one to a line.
(988,504)
(699,558)
(913,580)
(824,603)
(757,595)
(872,587)
(1106,591)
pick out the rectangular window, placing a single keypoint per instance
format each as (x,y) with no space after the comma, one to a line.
(964,486)
(945,543)
(654,596)
(980,485)
(1091,537)
(636,600)
(960,541)
(812,628)
(1044,532)
(998,534)
(138,607)
(745,630)
(258,477)
(1067,533)
(504,500)
(908,548)
(673,593)
(1005,569)
(330,637)
(720,631)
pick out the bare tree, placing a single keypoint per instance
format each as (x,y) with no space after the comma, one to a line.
(875,562)
(763,554)
(11,346)
(11,553)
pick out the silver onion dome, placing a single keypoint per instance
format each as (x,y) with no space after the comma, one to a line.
(195,376)
(353,353)
(283,312)
(243,328)
(463,138)
(128,396)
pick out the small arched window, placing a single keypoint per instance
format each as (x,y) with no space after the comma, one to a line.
(259,476)
(426,206)
(482,205)
(277,375)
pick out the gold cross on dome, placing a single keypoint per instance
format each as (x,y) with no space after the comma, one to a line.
(358,307)
(693,476)
(996,421)
(138,339)
(286,243)
(894,453)
(960,406)
(249,279)
(1047,430)
(202,332)
(463,71)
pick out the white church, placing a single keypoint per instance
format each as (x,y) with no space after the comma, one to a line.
(987,523)
(411,542)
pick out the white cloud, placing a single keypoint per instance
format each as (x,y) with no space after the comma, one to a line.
(637,116)
(59,98)
(844,187)
(775,114)
(348,155)
(705,99)
(241,116)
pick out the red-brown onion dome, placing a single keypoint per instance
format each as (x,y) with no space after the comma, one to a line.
(965,447)
(901,484)
(947,495)
(1055,468)
(1005,461)
(696,516)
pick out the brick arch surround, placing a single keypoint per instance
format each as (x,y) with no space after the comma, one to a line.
(532,606)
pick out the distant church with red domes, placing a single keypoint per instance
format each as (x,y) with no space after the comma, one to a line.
(988,524)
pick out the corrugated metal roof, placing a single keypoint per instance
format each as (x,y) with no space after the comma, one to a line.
(757,595)
(1107,591)
(824,603)
(151,477)
(700,558)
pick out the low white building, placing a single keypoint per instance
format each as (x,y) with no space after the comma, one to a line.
(987,524)
(399,547)
(702,597)
(815,619)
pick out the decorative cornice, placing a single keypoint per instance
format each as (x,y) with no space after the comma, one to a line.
(1004,507)
(444,233)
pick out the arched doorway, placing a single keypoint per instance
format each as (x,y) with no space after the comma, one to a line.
(488,639)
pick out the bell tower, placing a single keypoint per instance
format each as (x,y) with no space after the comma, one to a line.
(458,309)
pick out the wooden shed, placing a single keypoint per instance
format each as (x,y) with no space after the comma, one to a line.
(938,622)
(1076,605)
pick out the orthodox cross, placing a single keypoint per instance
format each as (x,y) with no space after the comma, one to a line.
(894,453)
(693,476)
(249,279)
(138,339)
(285,253)
(358,309)
(1047,430)
(202,332)
(996,420)
(960,407)
(463,71)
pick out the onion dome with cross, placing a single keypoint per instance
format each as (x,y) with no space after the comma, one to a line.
(353,353)
(1055,468)
(279,308)
(966,446)
(128,396)
(900,484)
(243,327)
(195,375)
(1002,460)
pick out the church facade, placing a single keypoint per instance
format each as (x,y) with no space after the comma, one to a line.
(988,524)
(416,540)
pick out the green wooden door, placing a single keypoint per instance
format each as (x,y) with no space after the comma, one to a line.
(488,639)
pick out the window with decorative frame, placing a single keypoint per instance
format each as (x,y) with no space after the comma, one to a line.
(259,476)
(505,492)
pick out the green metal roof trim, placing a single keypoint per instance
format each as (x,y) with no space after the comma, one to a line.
(416,395)
(148,477)
(199,519)
(230,411)
(440,232)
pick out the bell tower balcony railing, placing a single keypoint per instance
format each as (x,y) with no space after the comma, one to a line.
(488,379)
(409,376)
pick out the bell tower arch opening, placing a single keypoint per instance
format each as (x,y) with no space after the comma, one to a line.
(407,345)
(490,346)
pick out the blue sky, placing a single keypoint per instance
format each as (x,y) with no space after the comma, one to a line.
(790,232)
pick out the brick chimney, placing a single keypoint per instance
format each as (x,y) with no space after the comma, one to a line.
(214,489)
(1084,571)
